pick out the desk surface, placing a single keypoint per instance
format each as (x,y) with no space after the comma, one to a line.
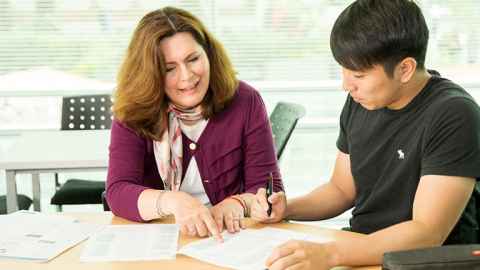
(40,150)
(70,259)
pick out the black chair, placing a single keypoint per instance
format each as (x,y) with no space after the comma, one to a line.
(283,120)
(24,203)
(90,112)
(104,201)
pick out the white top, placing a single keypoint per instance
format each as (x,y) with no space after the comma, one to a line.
(192,181)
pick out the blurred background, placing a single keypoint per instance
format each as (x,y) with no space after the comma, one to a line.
(51,48)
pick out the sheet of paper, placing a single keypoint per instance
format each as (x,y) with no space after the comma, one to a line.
(132,243)
(40,237)
(247,249)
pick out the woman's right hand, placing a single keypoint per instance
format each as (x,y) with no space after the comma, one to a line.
(191,215)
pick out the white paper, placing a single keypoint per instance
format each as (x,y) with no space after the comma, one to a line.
(247,249)
(40,237)
(132,243)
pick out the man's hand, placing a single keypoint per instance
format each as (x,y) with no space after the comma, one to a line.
(259,207)
(296,254)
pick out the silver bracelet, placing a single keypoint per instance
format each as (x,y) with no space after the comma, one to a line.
(160,212)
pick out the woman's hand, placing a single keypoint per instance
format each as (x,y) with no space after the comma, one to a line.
(229,214)
(191,215)
(259,206)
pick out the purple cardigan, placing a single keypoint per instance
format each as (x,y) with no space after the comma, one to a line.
(235,153)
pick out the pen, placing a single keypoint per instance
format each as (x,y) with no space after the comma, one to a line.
(269,192)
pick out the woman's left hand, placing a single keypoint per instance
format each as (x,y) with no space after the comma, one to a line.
(296,254)
(229,214)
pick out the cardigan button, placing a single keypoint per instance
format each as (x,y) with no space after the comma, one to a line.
(192,146)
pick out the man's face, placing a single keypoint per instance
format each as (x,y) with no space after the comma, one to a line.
(372,88)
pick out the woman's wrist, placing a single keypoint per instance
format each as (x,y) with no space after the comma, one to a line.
(168,202)
(160,204)
(248,198)
(243,204)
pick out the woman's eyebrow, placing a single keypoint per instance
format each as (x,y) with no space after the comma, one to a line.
(188,56)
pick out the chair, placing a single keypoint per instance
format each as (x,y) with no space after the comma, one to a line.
(90,112)
(104,201)
(283,120)
(24,203)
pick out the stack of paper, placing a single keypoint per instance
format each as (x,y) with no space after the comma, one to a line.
(132,243)
(40,237)
(247,249)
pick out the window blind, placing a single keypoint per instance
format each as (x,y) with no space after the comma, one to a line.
(268,40)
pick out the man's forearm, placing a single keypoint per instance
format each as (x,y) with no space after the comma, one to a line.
(369,249)
(324,202)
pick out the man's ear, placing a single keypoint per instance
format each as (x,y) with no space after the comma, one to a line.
(406,69)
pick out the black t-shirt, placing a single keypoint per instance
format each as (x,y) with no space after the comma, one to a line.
(437,133)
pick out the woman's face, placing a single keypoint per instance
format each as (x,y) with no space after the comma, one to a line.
(187,70)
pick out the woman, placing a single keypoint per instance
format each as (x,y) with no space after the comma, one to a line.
(187,134)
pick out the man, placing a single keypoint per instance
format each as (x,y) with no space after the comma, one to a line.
(409,148)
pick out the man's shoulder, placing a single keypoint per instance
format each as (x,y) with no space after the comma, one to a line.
(450,97)
(445,89)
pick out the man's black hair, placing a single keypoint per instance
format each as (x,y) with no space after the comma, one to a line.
(384,32)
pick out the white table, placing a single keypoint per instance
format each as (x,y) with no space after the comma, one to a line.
(52,151)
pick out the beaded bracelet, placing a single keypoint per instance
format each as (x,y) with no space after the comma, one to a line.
(242,203)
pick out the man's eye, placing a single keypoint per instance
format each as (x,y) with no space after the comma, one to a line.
(194,59)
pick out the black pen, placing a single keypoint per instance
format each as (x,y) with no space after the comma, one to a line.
(269,192)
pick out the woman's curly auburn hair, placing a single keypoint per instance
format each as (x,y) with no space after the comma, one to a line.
(140,99)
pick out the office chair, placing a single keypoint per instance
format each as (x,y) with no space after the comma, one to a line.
(104,201)
(24,203)
(90,112)
(283,120)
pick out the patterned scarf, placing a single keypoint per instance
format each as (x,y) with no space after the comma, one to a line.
(169,151)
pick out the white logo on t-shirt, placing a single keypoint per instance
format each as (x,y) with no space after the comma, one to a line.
(401,155)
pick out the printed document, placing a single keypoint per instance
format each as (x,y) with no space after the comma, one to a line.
(132,243)
(247,249)
(40,237)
